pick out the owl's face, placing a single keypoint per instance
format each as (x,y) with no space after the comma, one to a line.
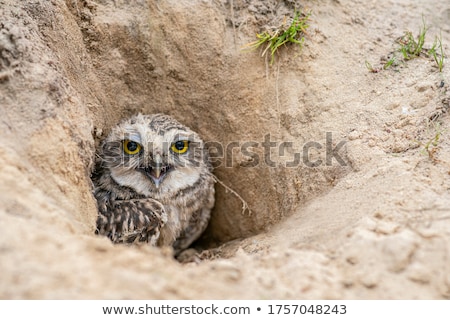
(154,155)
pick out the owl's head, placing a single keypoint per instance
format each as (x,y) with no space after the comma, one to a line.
(154,155)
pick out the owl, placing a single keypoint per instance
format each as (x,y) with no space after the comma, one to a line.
(153,183)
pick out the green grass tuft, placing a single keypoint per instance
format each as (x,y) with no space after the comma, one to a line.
(438,57)
(409,46)
(287,33)
(413,47)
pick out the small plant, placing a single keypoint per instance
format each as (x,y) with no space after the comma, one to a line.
(392,61)
(371,68)
(411,47)
(431,146)
(274,39)
(438,57)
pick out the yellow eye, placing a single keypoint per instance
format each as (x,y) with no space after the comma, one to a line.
(180,146)
(131,147)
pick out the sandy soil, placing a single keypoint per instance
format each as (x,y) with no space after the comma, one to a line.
(377,227)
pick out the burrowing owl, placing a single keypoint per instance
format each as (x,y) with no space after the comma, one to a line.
(153,183)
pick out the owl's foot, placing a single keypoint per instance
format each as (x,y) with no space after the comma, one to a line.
(188,256)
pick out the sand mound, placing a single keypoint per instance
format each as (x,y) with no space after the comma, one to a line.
(362,213)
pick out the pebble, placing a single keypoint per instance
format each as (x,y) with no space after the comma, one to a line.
(354,135)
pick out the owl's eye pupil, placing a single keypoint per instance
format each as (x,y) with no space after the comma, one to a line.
(132,146)
(179,145)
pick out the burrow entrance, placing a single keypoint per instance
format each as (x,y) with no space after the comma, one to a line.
(184,58)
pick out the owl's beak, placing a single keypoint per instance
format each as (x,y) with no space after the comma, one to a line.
(156,173)
(157,170)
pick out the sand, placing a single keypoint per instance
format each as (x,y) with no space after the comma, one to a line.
(369,221)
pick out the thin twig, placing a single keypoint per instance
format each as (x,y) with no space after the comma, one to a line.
(232,22)
(244,203)
(278,101)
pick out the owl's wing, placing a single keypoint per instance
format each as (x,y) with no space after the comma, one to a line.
(128,221)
